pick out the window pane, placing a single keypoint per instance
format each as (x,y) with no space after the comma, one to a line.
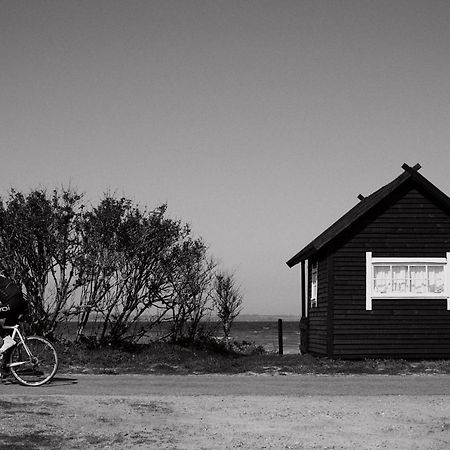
(436,279)
(418,279)
(314,282)
(382,279)
(400,279)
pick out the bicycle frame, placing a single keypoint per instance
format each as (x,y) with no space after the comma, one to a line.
(16,332)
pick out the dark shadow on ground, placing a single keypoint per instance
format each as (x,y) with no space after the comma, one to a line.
(57,381)
(63,380)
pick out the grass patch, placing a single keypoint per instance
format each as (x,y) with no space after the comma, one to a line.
(165,358)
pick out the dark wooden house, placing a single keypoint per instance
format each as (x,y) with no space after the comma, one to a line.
(377,282)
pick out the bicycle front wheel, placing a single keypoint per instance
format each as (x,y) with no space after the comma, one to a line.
(35,365)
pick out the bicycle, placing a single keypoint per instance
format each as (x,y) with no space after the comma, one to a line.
(33,361)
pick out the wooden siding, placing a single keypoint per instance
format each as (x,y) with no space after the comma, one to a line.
(317,318)
(412,225)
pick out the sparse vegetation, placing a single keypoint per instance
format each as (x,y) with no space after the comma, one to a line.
(243,357)
(227,300)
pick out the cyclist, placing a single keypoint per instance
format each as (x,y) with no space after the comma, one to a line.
(12,305)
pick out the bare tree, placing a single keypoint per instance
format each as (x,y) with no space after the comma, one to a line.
(123,274)
(145,241)
(65,248)
(227,301)
(100,259)
(190,273)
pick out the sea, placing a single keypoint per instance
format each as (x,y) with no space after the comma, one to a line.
(265,333)
(254,329)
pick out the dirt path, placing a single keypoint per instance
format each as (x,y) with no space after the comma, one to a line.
(226,412)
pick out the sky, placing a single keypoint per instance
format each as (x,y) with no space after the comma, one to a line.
(258,122)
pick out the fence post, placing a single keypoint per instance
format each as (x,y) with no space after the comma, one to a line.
(280,337)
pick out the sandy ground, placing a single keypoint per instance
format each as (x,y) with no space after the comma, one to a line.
(73,417)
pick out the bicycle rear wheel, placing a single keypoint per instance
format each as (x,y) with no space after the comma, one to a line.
(35,369)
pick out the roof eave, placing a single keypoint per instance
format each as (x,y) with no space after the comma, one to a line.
(302,255)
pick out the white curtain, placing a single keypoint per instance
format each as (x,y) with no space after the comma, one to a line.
(404,279)
(400,282)
(418,279)
(382,279)
(436,279)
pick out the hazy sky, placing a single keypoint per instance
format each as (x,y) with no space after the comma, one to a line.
(259,122)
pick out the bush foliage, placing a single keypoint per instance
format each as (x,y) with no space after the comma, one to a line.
(116,264)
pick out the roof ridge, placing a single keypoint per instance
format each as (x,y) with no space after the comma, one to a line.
(364,206)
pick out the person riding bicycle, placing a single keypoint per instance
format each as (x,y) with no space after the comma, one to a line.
(12,305)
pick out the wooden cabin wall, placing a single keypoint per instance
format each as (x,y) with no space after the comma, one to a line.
(411,227)
(317,317)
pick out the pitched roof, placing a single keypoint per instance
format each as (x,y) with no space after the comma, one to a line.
(364,206)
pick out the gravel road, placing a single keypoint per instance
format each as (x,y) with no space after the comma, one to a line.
(226,412)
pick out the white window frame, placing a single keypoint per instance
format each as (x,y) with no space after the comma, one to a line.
(371,262)
(314,284)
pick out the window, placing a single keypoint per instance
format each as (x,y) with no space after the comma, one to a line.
(313,286)
(400,279)
(406,278)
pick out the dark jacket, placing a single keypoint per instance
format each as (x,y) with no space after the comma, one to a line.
(8,289)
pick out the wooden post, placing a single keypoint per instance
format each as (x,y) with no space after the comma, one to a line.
(280,337)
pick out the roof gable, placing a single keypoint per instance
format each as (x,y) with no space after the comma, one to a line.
(364,206)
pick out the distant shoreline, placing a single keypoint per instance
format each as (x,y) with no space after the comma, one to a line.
(245,318)
(266,318)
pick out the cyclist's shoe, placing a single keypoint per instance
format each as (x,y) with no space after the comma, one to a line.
(8,342)
(5,374)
